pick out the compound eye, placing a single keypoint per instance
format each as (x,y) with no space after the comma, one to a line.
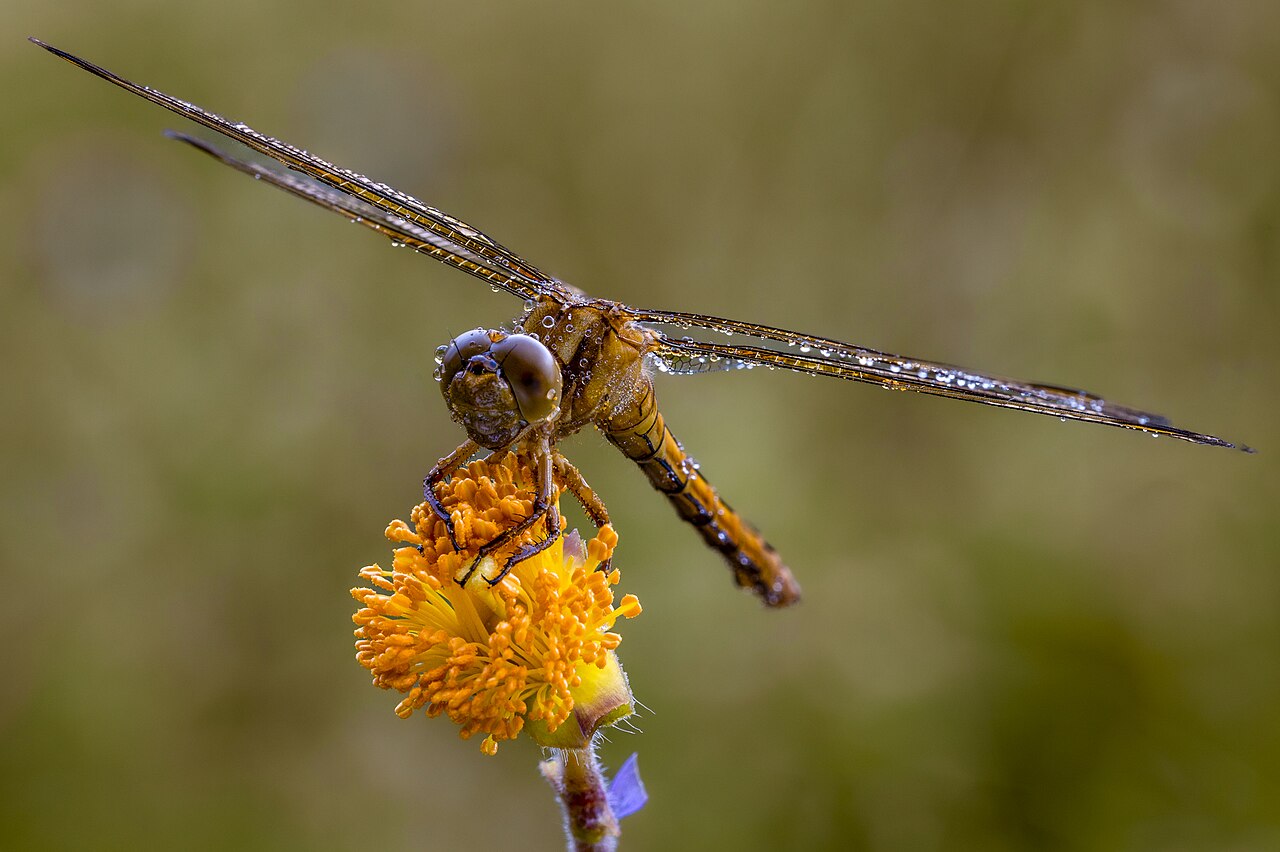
(532,374)
(460,351)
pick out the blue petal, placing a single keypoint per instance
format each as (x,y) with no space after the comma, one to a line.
(626,792)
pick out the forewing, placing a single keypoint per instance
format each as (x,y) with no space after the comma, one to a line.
(525,280)
(825,357)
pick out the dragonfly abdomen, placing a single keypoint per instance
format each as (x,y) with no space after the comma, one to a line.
(642,434)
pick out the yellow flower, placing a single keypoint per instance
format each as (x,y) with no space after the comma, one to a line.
(534,649)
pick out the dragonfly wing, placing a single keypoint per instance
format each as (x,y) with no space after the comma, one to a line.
(526,280)
(825,357)
(398,230)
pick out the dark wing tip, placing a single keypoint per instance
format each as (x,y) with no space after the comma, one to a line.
(55,51)
(205,148)
(1219,442)
(73,59)
(1215,441)
(179,136)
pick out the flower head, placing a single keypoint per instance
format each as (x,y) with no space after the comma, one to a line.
(534,648)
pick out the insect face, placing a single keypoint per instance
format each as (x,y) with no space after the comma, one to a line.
(496,384)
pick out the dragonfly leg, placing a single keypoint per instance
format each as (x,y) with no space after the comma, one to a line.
(533,549)
(542,507)
(572,480)
(444,469)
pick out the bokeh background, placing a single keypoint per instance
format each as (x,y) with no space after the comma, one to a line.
(1017,634)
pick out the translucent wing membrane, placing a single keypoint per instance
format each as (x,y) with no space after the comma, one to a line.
(522,278)
(694,363)
(824,357)
(408,221)
(400,232)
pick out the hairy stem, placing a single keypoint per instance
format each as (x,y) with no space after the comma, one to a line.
(589,823)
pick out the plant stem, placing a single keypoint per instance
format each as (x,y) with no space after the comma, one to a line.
(579,784)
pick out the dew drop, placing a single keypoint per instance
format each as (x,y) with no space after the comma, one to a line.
(548,321)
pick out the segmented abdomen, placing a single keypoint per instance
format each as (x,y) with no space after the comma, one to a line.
(641,433)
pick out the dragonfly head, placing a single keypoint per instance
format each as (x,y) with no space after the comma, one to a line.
(497,385)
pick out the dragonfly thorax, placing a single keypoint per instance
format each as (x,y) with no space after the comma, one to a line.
(497,385)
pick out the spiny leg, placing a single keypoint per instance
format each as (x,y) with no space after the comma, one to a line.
(540,452)
(442,471)
(533,548)
(573,481)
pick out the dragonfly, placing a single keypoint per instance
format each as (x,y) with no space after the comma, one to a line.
(570,361)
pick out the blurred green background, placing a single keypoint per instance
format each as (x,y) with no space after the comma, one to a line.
(1017,633)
